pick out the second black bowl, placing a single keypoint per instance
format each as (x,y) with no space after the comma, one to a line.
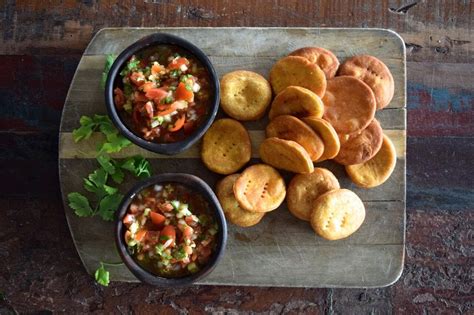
(114,77)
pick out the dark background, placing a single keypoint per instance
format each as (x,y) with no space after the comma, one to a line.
(41,45)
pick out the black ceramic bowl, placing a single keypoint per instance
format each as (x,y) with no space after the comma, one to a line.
(194,184)
(114,80)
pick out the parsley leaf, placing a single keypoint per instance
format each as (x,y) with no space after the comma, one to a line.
(102,276)
(108,205)
(117,176)
(80,204)
(85,130)
(95,182)
(115,143)
(138,166)
(105,161)
(109,61)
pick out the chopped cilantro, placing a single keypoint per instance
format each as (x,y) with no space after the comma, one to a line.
(109,61)
(102,276)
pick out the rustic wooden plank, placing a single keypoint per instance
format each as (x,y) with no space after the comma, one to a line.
(434,30)
(87,149)
(384,226)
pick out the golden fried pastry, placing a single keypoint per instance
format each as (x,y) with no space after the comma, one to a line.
(349,104)
(297,101)
(337,214)
(327,133)
(324,58)
(245,95)
(286,155)
(295,70)
(291,128)
(259,188)
(378,169)
(304,189)
(232,210)
(359,147)
(374,73)
(226,146)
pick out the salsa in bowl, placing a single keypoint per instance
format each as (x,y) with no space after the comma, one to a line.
(171,230)
(162,93)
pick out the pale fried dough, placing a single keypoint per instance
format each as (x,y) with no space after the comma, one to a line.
(295,70)
(232,210)
(286,154)
(226,146)
(297,101)
(245,95)
(378,169)
(304,189)
(337,214)
(327,133)
(349,104)
(291,128)
(324,58)
(360,147)
(260,188)
(374,73)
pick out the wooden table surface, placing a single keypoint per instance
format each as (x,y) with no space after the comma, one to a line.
(40,48)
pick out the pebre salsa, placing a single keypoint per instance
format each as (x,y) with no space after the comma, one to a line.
(165,94)
(170,231)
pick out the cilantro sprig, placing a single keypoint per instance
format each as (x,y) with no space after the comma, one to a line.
(105,197)
(109,61)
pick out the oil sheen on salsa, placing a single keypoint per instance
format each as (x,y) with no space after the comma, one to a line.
(170,231)
(164,95)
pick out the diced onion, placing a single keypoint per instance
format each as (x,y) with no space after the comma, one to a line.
(196,87)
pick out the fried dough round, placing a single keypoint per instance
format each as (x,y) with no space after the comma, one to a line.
(304,189)
(226,146)
(260,188)
(378,169)
(324,58)
(286,155)
(360,147)
(291,128)
(245,95)
(349,104)
(374,73)
(232,210)
(327,133)
(337,214)
(297,101)
(295,70)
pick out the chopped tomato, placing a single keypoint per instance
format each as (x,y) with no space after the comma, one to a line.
(165,207)
(177,63)
(182,93)
(170,232)
(178,124)
(171,109)
(188,232)
(137,78)
(147,86)
(157,218)
(128,219)
(156,94)
(139,97)
(140,235)
(128,236)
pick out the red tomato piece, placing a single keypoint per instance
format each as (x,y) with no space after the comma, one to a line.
(156,94)
(140,235)
(170,232)
(157,218)
(137,78)
(182,93)
(119,98)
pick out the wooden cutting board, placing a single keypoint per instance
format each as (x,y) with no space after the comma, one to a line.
(281,250)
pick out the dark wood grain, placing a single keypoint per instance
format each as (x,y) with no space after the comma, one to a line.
(42,42)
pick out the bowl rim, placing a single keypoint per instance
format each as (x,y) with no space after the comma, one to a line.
(155,39)
(194,183)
